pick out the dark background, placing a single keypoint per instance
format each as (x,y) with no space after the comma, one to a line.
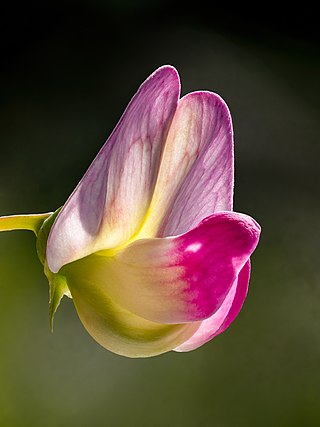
(68,69)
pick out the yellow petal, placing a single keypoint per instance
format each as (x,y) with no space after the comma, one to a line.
(116,328)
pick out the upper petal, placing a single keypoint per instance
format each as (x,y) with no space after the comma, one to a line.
(180,279)
(196,172)
(109,203)
(224,316)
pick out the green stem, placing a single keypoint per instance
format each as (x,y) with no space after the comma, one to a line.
(23,222)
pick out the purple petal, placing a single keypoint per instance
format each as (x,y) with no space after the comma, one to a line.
(108,205)
(180,279)
(221,319)
(196,172)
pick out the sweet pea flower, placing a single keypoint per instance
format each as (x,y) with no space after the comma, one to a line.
(147,245)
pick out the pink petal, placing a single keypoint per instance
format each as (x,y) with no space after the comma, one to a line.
(224,316)
(196,172)
(109,203)
(176,280)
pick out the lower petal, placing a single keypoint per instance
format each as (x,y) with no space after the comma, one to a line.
(221,319)
(175,280)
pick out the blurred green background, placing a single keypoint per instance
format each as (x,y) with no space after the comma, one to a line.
(68,70)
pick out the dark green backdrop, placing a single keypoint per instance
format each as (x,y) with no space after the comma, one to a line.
(68,71)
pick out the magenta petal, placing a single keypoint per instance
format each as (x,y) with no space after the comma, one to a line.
(179,279)
(111,200)
(222,318)
(186,278)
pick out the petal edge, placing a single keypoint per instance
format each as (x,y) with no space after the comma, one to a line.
(222,319)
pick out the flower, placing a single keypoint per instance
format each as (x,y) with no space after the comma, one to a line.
(147,245)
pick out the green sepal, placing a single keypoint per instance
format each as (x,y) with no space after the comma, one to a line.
(43,235)
(41,225)
(58,288)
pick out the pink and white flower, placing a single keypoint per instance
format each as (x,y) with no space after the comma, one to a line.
(147,244)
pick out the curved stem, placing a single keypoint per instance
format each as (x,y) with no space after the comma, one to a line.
(31,222)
